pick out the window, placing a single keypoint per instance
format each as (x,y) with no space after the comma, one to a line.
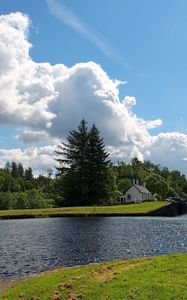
(128,196)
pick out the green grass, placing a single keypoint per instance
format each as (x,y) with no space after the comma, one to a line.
(144,208)
(162,277)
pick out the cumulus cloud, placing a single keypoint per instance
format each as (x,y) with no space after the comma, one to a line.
(25,90)
(29,137)
(40,158)
(47,101)
(170,149)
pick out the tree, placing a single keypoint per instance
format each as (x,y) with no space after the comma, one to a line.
(156,184)
(123,170)
(84,166)
(49,173)
(72,153)
(135,162)
(20,170)
(8,167)
(73,161)
(124,185)
(165,173)
(96,166)
(112,195)
(28,174)
(137,167)
(14,169)
(35,199)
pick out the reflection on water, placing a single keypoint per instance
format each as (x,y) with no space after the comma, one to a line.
(33,245)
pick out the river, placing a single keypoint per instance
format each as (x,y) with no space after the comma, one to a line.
(33,245)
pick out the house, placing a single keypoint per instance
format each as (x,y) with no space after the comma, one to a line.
(136,194)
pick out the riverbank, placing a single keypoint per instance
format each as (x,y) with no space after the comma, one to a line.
(141,209)
(161,277)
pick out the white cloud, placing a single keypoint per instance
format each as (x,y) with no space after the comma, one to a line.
(40,159)
(30,137)
(129,102)
(47,101)
(25,90)
(170,149)
(149,124)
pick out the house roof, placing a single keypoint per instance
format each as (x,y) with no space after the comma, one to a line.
(142,189)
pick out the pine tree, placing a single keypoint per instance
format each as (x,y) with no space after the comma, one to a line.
(28,174)
(14,169)
(84,165)
(97,165)
(73,162)
(20,170)
(8,167)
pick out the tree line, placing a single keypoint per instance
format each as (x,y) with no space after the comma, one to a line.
(85,176)
(159,180)
(19,189)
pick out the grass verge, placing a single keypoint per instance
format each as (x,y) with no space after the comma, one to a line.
(142,208)
(162,277)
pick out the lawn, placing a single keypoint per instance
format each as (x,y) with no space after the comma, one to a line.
(142,208)
(162,277)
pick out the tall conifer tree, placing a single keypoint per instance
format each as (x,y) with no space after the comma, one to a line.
(73,163)
(97,165)
(14,169)
(20,170)
(83,162)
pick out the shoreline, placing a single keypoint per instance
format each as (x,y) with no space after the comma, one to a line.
(117,276)
(74,215)
(145,209)
(7,283)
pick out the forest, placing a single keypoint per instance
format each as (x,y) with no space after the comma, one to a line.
(84,176)
(19,189)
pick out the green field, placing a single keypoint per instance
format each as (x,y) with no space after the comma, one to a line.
(142,208)
(162,277)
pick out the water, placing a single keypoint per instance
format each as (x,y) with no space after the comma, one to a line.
(34,245)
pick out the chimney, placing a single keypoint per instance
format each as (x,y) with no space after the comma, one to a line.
(137,182)
(144,184)
(134,181)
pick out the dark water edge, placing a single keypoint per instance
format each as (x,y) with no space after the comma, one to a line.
(33,245)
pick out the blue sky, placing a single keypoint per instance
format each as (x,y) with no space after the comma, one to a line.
(141,42)
(148,42)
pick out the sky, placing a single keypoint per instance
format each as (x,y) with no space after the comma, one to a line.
(119,64)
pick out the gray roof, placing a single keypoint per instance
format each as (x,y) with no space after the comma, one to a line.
(142,189)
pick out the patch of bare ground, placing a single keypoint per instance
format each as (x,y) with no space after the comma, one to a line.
(5,284)
(74,296)
(105,273)
(56,296)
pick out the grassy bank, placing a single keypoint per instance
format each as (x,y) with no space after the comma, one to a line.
(142,208)
(162,277)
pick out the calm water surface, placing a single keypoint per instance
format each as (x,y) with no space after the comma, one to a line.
(34,245)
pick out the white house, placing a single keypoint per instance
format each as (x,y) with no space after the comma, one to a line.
(136,194)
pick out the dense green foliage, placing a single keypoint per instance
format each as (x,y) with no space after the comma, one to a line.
(161,277)
(84,168)
(20,190)
(159,180)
